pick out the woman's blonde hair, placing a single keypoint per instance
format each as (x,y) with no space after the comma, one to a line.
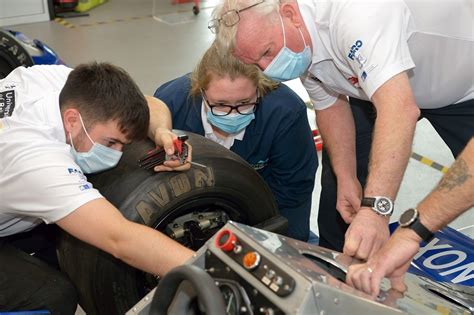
(215,63)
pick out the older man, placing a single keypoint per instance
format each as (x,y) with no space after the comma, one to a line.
(394,60)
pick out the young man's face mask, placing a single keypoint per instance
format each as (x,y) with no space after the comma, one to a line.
(99,158)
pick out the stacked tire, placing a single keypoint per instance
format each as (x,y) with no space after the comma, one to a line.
(12,54)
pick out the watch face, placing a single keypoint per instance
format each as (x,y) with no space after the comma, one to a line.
(407,217)
(384,205)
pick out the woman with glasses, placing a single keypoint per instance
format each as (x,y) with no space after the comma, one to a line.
(262,121)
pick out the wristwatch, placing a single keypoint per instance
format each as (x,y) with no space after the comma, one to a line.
(380,204)
(410,219)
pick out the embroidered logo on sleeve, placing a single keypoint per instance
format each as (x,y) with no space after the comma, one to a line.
(85,187)
(260,164)
(83,184)
(7,103)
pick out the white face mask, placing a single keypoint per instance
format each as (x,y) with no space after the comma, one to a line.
(287,64)
(99,158)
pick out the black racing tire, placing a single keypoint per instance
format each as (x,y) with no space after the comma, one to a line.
(109,286)
(12,54)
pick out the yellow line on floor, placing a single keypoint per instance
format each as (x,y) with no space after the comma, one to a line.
(126,19)
(64,23)
(430,163)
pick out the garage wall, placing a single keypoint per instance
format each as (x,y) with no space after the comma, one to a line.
(23,11)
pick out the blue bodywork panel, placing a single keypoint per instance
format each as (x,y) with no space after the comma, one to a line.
(448,257)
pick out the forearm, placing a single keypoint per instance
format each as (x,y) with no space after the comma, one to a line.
(150,250)
(336,125)
(394,129)
(138,245)
(160,116)
(391,148)
(453,195)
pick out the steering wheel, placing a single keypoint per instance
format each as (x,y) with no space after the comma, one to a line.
(202,283)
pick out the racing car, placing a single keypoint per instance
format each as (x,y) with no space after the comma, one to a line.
(16,49)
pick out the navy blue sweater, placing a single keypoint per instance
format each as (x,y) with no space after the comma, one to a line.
(278,144)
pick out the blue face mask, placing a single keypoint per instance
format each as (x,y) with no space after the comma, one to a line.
(287,64)
(232,123)
(98,158)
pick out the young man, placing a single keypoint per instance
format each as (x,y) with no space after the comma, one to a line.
(57,124)
(394,59)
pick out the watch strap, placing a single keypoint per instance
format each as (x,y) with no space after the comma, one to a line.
(416,225)
(425,234)
(368,202)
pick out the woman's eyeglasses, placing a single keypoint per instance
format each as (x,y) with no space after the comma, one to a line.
(246,108)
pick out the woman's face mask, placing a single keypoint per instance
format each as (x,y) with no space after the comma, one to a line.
(232,123)
(232,118)
(99,158)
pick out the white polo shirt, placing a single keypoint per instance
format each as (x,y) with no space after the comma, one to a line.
(360,44)
(39,180)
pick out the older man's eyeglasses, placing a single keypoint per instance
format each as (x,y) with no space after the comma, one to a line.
(244,108)
(229,18)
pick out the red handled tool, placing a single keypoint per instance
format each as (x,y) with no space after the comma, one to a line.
(157,157)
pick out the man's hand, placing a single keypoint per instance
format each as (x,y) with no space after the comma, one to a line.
(392,261)
(349,194)
(366,234)
(164,138)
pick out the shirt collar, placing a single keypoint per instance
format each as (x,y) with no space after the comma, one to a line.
(55,118)
(315,15)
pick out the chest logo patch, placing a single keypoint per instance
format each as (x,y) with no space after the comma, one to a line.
(354,48)
(7,103)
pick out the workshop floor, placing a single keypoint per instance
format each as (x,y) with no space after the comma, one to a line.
(155,50)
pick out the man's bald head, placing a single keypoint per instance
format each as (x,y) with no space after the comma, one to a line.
(258,36)
(260,11)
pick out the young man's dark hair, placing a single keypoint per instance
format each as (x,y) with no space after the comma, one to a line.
(103,92)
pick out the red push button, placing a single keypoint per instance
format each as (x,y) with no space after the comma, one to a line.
(226,240)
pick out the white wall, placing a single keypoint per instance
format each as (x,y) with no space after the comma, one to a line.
(23,11)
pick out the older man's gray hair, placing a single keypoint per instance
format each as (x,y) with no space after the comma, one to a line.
(265,10)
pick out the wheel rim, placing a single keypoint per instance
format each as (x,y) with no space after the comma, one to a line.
(196,205)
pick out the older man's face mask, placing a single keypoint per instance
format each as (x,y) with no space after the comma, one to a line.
(276,46)
(287,64)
